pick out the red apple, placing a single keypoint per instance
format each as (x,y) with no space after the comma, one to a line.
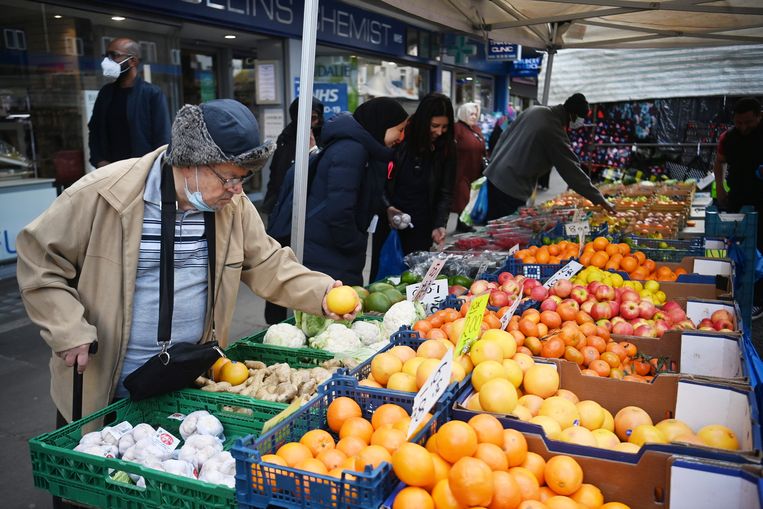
(604,293)
(646,309)
(614,307)
(562,288)
(645,331)
(671,304)
(685,324)
(498,298)
(511,287)
(617,319)
(492,285)
(478,287)
(504,276)
(528,285)
(724,325)
(622,329)
(573,303)
(587,306)
(630,295)
(600,311)
(662,315)
(605,323)
(705,322)
(661,326)
(549,304)
(592,286)
(721,314)
(629,310)
(676,314)
(457,290)
(579,294)
(538,293)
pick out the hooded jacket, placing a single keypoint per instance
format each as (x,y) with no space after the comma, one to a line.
(342,200)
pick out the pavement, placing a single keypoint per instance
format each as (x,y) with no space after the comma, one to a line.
(24,357)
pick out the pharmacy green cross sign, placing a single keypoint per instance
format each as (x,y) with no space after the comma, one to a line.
(462,50)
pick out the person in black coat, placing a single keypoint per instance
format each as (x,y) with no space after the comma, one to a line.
(421,183)
(348,186)
(286,147)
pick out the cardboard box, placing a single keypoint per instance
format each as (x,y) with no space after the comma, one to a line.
(720,289)
(697,403)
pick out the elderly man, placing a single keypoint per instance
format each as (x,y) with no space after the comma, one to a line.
(534,143)
(130,117)
(88,267)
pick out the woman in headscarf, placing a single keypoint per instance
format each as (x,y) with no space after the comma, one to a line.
(348,187)
(470,147)
(421,183)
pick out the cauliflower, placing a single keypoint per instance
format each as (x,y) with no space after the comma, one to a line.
(368,332)
(285,334)
(337,338)
(311,325)
(402,313)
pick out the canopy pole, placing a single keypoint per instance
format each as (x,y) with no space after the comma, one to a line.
(307,67)
(551,51)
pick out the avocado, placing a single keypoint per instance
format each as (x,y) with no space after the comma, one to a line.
(362,292)
(460,281)
(409,277)
(379,287)
(393,295)
(401,288)
(378,301)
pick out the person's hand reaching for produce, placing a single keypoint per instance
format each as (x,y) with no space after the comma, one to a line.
(608,207)
(346,316)
(438,237)
(80,354)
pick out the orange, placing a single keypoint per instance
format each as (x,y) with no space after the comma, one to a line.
(384,365)
(588,495)
(425,370)
(234,373)
(217,366)
(471,481)
(535,463)
(422,327)
(528,483)
(262,474)
(498,395)
(413,465)
(441,468)
(387,415)
(389,438)
(370,382)
(483,350)
(532,504)
(431,444)
(489,429)
(585,258)
(341,409)
(373,456)
(560,502)
(515,447)
(312,465)
(357,427)
(342,300)
(541,380)
(456,439)
(506,493)
(493,456)
(431,349)
(614,505)
(413,498)
(640,257)
(599,259)
(403,352)
(293,453)
(546,493)
(402,382)
(563,475)
(332,458)
(612,250)
(317,440)
(351,445)
(443,496)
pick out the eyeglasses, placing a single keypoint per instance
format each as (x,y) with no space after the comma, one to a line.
(233,181)
(115,54)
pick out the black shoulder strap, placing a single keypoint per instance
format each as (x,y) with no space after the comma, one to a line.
(209,233)
(167,255)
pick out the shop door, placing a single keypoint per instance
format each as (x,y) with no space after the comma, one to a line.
(242,77)
(200,76)
(464,88)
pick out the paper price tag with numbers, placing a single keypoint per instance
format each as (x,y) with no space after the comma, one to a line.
(577,228)
(473,322)
(433,296)
(165,439)
(509,313)
(431,275)
(431,391)
(514,249)
(565,272)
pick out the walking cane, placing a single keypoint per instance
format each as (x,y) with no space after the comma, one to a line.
(77,385)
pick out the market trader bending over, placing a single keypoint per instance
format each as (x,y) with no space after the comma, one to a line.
(130,117)
(88,267)
(740,154)
(528,148)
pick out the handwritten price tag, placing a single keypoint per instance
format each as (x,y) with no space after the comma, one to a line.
(433,296)
(431,392)
(509,313)
(565,272)
(514,249)
(431,275)
(577,228)
(473,323)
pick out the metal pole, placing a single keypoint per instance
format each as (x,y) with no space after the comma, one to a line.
(549,65)
(309,29)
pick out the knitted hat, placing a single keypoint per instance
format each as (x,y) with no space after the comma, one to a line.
(577,104)
(215,132)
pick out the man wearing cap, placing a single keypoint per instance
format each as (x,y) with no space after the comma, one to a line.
(534,143)
(88,267)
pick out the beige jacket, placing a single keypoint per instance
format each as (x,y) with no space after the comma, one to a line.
(77,265)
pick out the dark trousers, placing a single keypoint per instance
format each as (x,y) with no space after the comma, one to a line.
(500,204)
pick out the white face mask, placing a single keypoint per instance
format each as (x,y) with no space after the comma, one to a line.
(195,198)
(112,69)
(577,123)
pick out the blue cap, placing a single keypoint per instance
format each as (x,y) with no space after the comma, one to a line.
(231,125)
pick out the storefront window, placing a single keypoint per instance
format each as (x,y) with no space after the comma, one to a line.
(199,77)
(243,80)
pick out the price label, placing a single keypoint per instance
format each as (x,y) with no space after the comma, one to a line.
(431,391)
(565,272)
(176,416)
(431,275)
(166,440)
(118,431)
(509,313)
(472,323)
(697,212)
(577,228)
(514,249)
(270,423)
(434,295)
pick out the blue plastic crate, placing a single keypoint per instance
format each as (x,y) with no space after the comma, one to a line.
(261,484)
(667,250)
(558,232)
(539,271)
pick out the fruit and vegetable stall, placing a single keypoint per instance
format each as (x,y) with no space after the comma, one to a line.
(557,358)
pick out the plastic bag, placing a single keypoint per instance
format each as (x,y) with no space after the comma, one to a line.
(474,191)
(479,212)
(391,261)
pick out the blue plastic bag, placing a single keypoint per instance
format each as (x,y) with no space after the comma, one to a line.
(479,212)
(391,257)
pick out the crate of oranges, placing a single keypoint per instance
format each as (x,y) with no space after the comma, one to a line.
(603,254)
(335,451)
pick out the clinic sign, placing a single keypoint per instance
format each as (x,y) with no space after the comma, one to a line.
(338,23)
(497,50)
(332,95)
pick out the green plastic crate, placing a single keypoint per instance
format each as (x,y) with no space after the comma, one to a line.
(84,478)
(243,350)
(259,336)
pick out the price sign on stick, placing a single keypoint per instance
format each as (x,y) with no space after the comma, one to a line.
(514,249)
(431,275)
(472,323)
(434,295)
(431,391)
(565,272)
(577,228)
(509,313)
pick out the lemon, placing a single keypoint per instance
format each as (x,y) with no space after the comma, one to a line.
(652,286)
(342,300)
(617,280)
(661,297)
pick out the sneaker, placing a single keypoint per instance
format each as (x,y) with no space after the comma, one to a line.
(757,312)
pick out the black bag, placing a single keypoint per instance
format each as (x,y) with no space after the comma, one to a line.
(176,366)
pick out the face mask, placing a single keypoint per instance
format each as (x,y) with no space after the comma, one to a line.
(112,69)
(196,198)
(577,123)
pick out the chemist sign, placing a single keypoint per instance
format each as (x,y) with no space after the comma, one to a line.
(332,95)
(497,50)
